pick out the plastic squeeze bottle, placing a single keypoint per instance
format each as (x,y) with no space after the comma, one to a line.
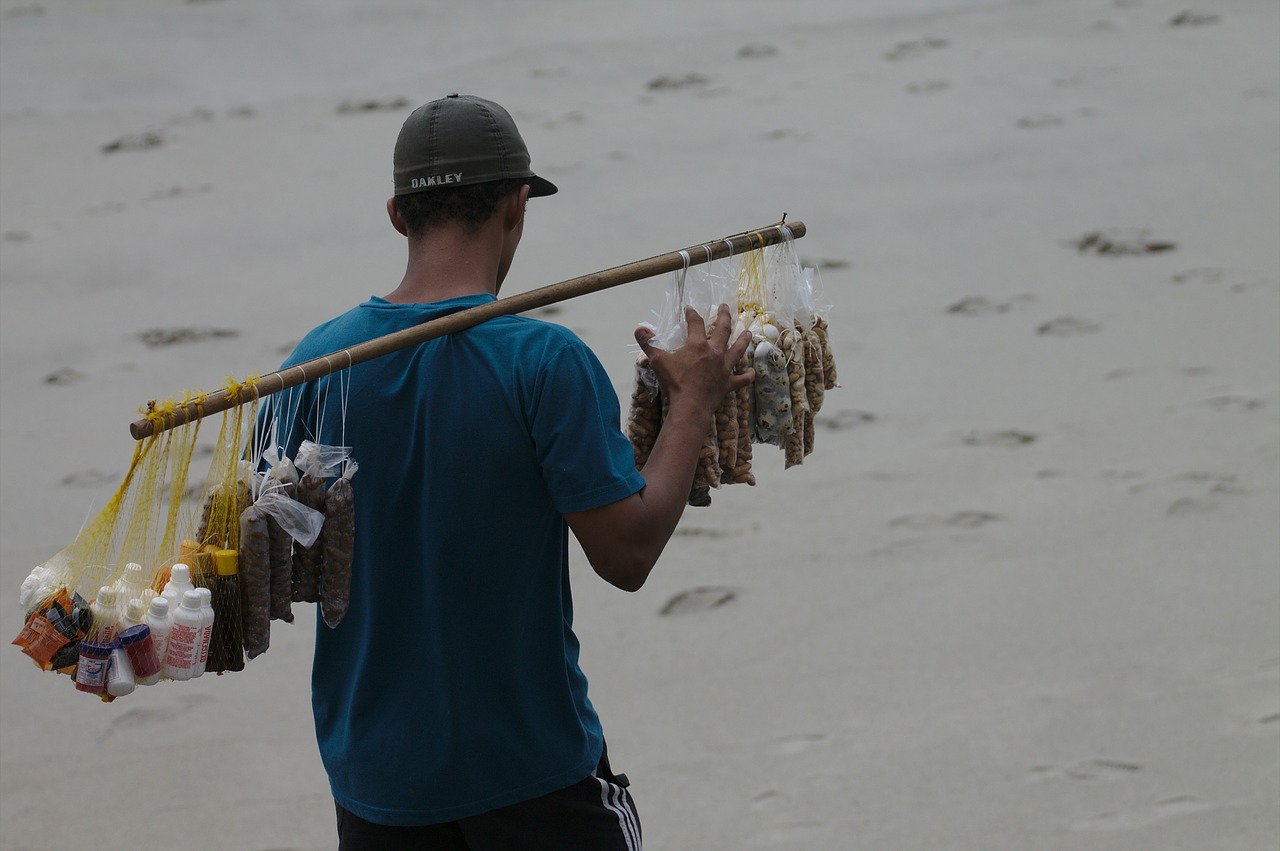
(161,622)
(179,583)
(133,614)
(120,679)
(184,638)
(130,585)
(106,615)
(206,630)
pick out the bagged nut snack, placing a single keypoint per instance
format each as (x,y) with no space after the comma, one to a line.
(779,303)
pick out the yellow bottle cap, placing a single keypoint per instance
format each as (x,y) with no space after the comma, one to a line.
(228,562)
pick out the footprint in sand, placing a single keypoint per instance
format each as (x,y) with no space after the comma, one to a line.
(64,377)
(700,599)
(1122,475)
(1216,483)
(1202,492)
(846,419)
(1067,326)
(88,479)
(1039,122)
(106,208)
(1190,505)
(757,51)
(1189,371)
(1093,769)
(782,134)
(668,83)
(768,798)
(696,532)
(1192,19)
(1236,280)
(180,192)
(905,547)
(1235,403)
(393,104)
(160,337)
(912,49)
(571,118)
(928,87)
(999,439)
(955,520)
(799,743)
(1179,805)
(826,264)
(976,305)
(134,142)
(1121,242)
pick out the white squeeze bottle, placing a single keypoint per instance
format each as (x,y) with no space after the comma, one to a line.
(106,615)
(120,679)
(206,630)
(184,639)
(179,583)
(130,585)
(133,614)
(161,622)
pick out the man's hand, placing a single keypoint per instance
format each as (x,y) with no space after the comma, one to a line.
(624,539)
(699,374)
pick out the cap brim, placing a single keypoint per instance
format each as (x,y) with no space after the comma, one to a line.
(539,187)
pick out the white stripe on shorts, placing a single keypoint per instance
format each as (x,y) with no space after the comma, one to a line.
(615,801)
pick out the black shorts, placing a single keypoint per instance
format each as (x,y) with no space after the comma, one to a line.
(594,814)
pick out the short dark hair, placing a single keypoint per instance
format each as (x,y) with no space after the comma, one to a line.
(470,205)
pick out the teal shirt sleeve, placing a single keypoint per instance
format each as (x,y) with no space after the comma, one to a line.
(586,460)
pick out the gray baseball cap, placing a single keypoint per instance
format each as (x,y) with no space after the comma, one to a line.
(461,140)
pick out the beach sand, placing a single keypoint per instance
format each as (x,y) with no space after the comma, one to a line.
(1024,595)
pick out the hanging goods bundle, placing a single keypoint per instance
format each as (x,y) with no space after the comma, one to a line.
(782,305)
(171,581)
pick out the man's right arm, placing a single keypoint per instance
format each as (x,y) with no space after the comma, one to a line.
(623,540)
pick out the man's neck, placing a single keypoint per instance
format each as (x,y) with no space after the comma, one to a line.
(449,261)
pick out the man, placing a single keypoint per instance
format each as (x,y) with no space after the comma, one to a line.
(449,706)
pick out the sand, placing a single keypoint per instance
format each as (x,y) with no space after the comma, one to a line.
(1024,595)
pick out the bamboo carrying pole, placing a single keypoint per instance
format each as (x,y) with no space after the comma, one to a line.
(299,373)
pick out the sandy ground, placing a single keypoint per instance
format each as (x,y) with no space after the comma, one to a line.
(1026,593)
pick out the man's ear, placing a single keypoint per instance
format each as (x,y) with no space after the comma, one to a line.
(515,212)
(397,221)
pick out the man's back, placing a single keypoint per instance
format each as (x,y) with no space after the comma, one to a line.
(452,686)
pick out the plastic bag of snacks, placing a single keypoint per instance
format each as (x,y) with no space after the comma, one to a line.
(782,305)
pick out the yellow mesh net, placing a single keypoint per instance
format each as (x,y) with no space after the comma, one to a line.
(85,598)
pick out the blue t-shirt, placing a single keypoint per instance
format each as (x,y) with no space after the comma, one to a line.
(452,685)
